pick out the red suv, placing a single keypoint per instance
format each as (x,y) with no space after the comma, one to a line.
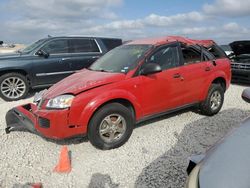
(132,83)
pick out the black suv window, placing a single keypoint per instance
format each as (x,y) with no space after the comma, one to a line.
(56,46)
(166,57)
(83,45)
(191,56)
(111,43)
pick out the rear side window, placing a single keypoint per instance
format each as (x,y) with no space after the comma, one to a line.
(111,43)
(217,51)
(166,57)
(83,46)
(59,46)
(191,56)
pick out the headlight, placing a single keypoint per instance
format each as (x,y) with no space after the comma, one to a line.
(60,102)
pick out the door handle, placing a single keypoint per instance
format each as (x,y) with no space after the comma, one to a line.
(66,58)
(207,69)
(176,75)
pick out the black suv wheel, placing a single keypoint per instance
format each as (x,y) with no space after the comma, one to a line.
(13,86)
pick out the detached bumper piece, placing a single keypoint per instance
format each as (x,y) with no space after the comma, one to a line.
(20,118)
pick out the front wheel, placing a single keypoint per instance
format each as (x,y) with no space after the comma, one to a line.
(214,100)
(111,126)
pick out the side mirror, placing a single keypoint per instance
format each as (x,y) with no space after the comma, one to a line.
(246,95)
(42,53)
(150,68)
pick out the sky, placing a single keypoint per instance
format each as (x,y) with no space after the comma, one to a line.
(25,21)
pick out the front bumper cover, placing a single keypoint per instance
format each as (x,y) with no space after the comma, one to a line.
(52,124)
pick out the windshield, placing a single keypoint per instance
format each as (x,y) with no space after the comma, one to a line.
(121,59)
(33,46)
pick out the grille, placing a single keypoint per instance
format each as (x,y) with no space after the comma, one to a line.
(240,66)
(43,122)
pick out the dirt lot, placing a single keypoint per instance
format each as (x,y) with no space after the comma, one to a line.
(156,155)
(10,50)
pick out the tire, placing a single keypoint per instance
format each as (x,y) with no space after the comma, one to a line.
(106,124)
(210,107)
(13,86)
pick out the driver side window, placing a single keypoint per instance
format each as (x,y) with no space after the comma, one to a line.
(166,57)
(56,47)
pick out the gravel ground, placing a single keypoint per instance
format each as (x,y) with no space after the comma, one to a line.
(156,155)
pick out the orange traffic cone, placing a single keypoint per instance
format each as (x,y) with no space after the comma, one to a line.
(64,164)
(36,185)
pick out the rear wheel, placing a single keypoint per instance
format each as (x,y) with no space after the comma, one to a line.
(111,126)
(214,100)
(13,86)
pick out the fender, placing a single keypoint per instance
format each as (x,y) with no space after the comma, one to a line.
(101,99)
(211,78)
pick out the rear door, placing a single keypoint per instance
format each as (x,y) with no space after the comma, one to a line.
(51,69)
(84,51)
(195,70)
(163,91)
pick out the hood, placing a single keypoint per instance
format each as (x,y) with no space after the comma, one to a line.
(82,81)
(5,56)
(240,47)
(228,164)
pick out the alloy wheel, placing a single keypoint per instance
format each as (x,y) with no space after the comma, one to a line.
(112,128)
(13,87)
(215,100)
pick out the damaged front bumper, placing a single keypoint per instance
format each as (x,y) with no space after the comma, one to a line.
(53,124)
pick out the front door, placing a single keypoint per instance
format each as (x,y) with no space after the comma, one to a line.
(51,69)
(163,91)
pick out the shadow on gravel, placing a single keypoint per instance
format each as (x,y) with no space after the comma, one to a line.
(67,141)
(153,120)
(169,170)
(32,92)
(240,84)
(102,181)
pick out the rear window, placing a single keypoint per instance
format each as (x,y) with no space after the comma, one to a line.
(83,46)
(111,43)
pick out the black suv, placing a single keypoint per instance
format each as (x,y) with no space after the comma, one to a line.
(240,61)
(47,61)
